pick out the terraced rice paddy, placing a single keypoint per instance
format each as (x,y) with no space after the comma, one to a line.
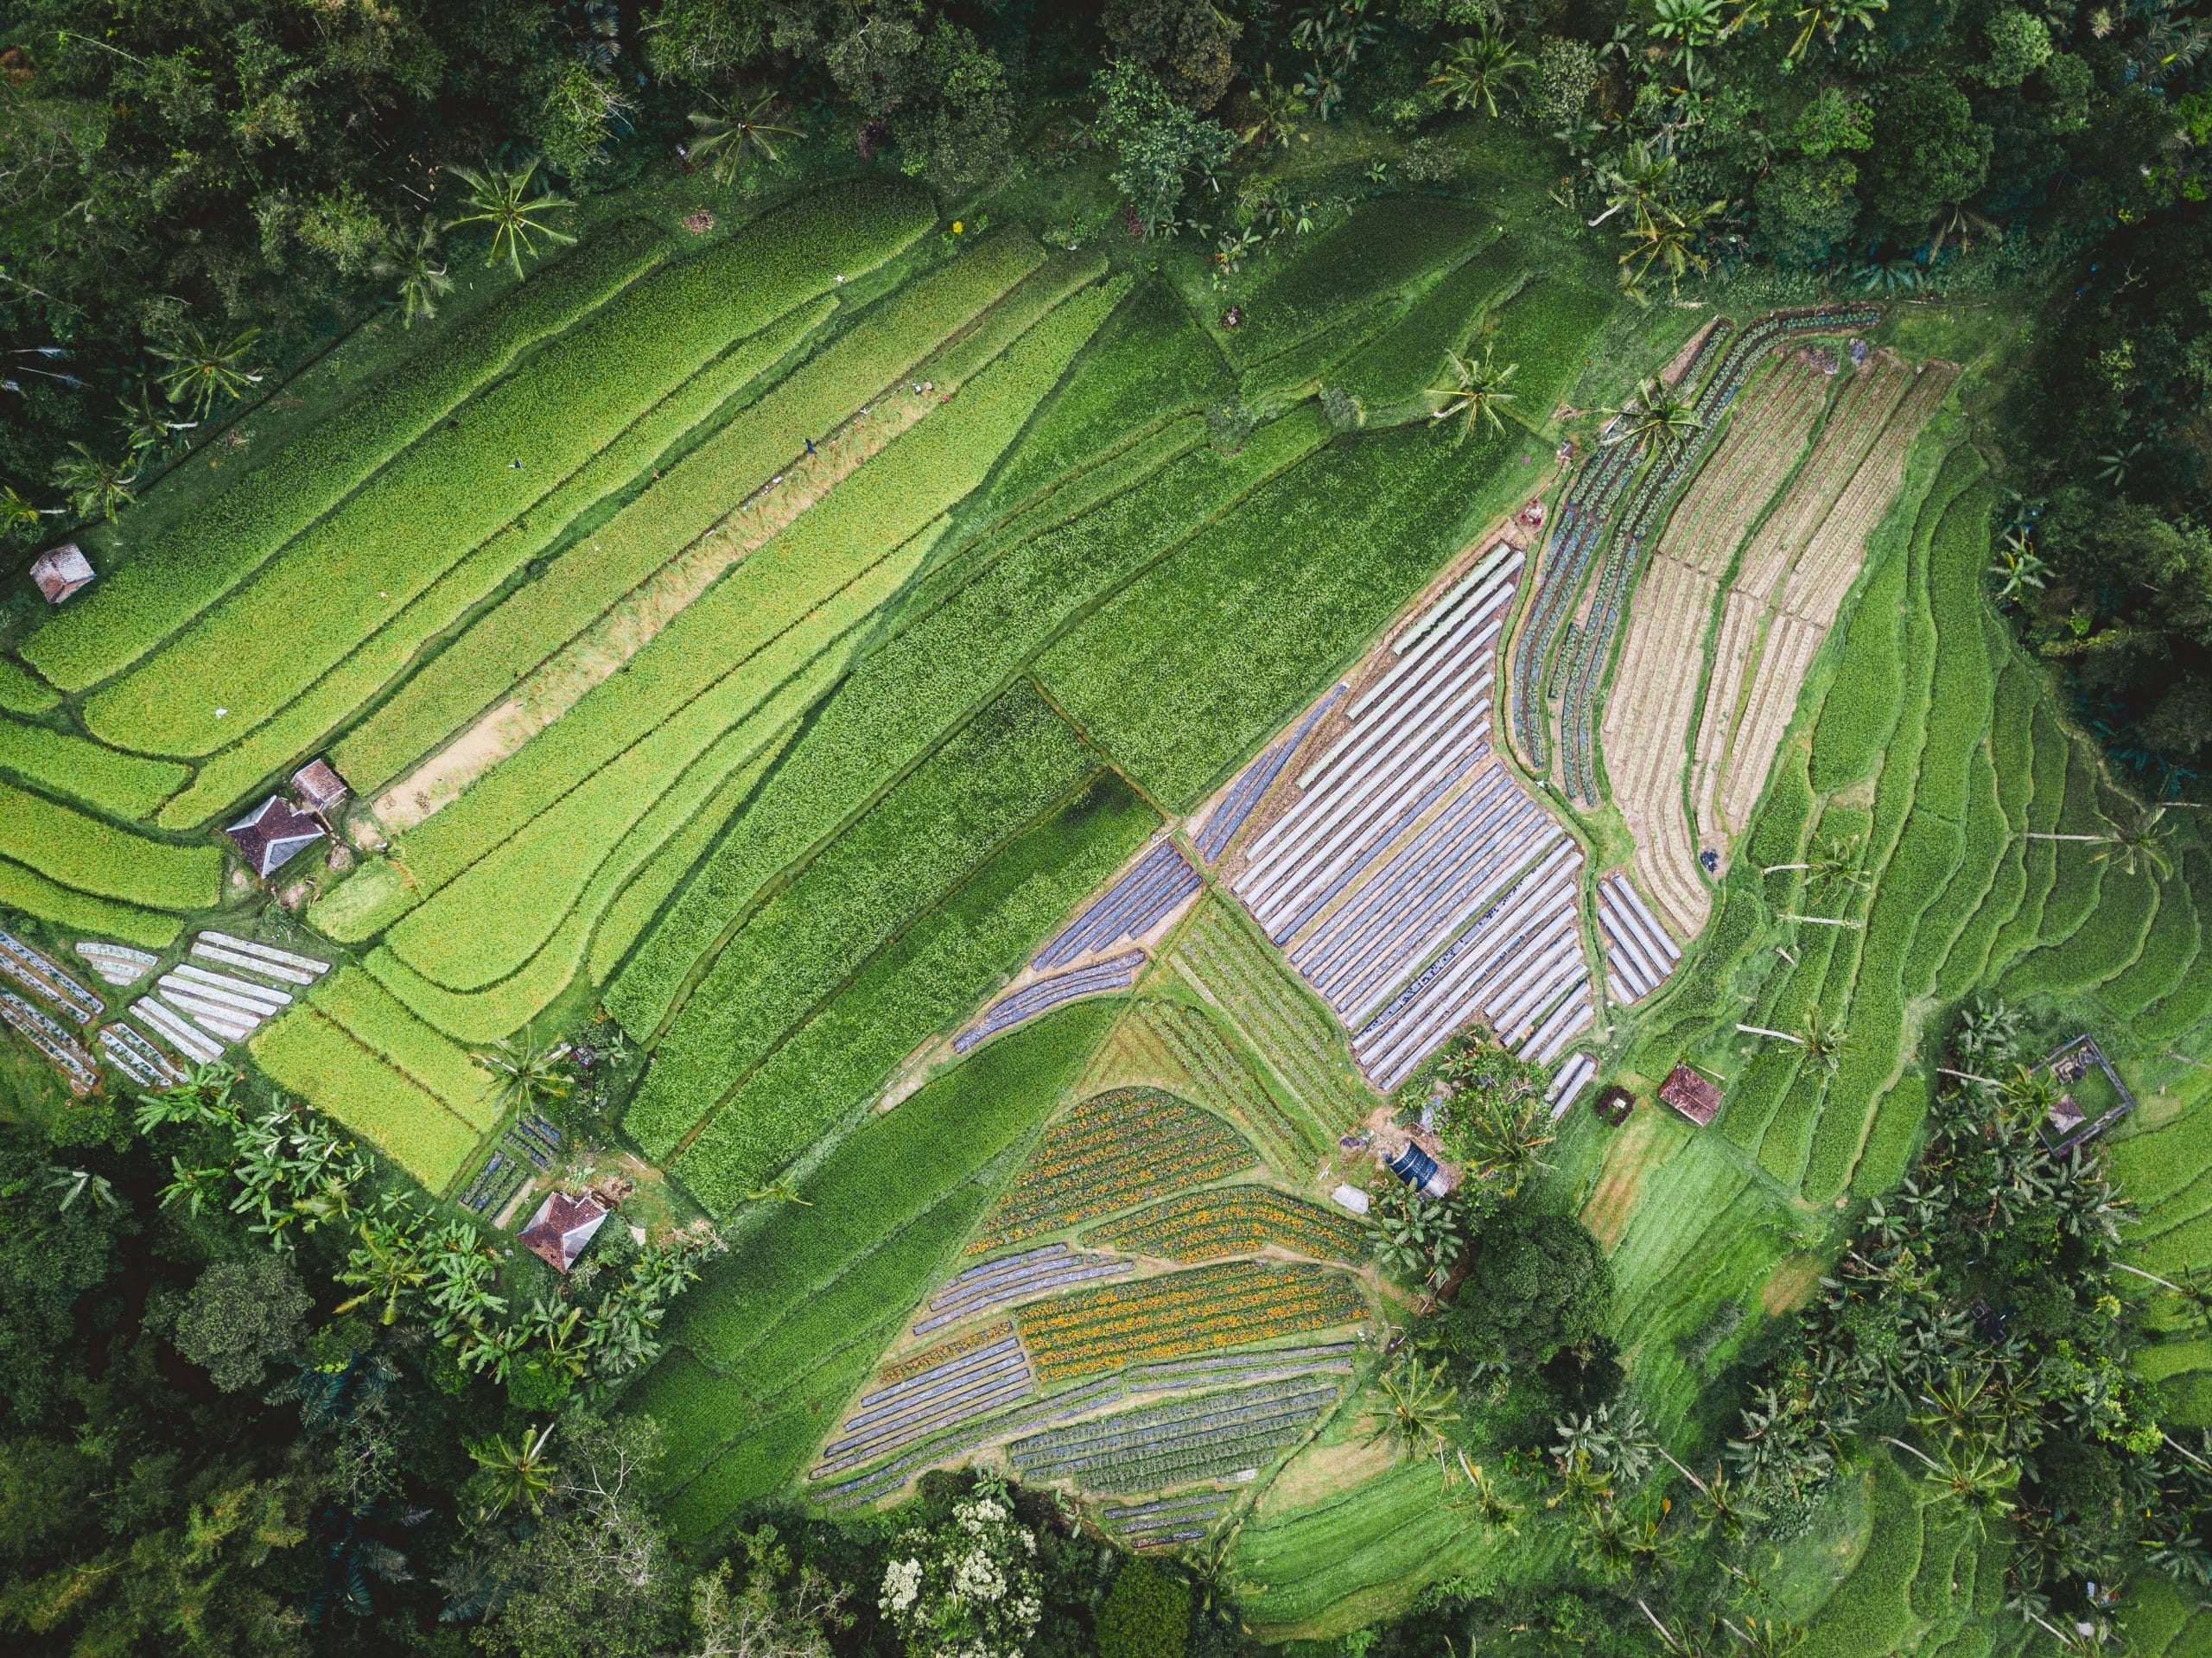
(1031,825)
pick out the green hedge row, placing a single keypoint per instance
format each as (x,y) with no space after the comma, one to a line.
(2170,948)
(2047,807)
(1861,706)
(376,1019)
(2013,763)
(567,514)
(486,661)
(913,687)
(208,551)
(338,582)
(1391,372)
(2080,876)
(1013,761)
(932,977)
(1987,838)
(1038,293)
(96,857)
(123,785)
(1383,248)
(306,1054)
(22,691)
(25,889)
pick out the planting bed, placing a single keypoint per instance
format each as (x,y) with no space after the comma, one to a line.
(1199,1311)
(1232,1221)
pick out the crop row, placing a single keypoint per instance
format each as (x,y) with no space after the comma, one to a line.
(901,698)
(180,570)
(1245,617)
(392,650)
(373,1017)
(1584,510)
(1130,908)
(1100,978)
(490,918)
(1110,1151)
(937,968)
(338,581)
(98,858)
(123,785)
(943,1352)
(941,821)
(1181,1048)
(1235,1220)
(307,1054)
(684,504)
(1301,1045)
(715,638)
(1161,1445)
(1381,248)
(1389,374)
(1201,1310)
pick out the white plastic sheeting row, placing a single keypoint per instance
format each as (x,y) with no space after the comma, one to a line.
(1638,953)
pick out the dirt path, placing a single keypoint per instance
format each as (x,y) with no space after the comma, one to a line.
(636,619)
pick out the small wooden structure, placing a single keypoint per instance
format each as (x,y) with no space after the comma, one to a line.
(273,834)
(563,1225)
(1693,1093)
(60,571)
(320,787)
(2080,1067)
(1613,1106)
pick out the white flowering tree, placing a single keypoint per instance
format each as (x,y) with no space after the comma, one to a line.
(968,1587)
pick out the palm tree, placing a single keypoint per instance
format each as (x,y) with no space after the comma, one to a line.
(1962,222)
(1836,864)
(1492,1507)
(500,197)
(1641,179)
(200,370)
(1823,1043)
(96,489)
(18,518)
(1669,234)
(1968,1473)
(1474,389)
(517,1476)
(526,1074)
(2145,837)
(2018,567)
(782,1190)
(733,140)
(144,427)
(1475,68)
(1658,420)
(1418,1407)
(1831,18)
(423,278)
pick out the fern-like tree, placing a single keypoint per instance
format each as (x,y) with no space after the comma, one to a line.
(2141,839)
(730,138)
(423,279)
(1657,420)
(98,487)
(201,369)
(1476,68)
(518,216)
(1838,863)
(512,1476)
(1419,1407)
(526,1072)
(1473,388)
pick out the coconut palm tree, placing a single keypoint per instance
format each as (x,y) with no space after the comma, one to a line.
(386,1266)
(423,277)
(1838,863)
(2143,837)
(1475,68)
(1669,235)
(73,1184)
(1492,1507)
(518,1476)
(1640,178)
(98,488)
(144,427)
(1690,26)
(525,1073)
(731,140)
(201,369)
(1658,420)
(1418,1407)
(19,518)
(1823,1043)
(501,197)
(1474,389)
